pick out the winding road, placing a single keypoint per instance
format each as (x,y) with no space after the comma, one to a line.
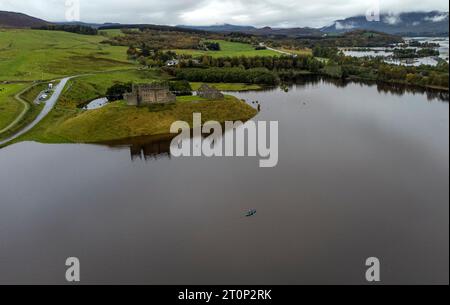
(46,110)
(275,50)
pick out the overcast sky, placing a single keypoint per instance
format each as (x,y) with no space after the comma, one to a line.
(313,13)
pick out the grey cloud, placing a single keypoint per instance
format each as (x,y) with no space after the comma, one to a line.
(312,13)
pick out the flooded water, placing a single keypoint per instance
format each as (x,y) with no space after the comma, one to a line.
(96,104)
(388,53)
(363,171)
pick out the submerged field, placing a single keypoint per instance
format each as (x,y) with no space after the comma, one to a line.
(230,49)
(36,55)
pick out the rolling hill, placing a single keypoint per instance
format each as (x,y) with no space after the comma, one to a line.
(19,20)
(265,31)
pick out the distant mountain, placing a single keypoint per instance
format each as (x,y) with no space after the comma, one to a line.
(407,24)
(223,28)
(19,20)
(288,32)
(92,25)
(266,31)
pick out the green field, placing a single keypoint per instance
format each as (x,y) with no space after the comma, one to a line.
(10,108)
(14,113)
(36,55)
(230,49)
(111,33)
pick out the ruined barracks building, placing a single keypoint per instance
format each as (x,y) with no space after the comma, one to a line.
(210,93)
(142,95)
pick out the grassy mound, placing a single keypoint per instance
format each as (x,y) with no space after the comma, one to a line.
(118,120)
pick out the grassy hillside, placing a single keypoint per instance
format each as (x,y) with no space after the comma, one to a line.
(35,55)
(9,107)
(117,120)
(15,114)
(231,49)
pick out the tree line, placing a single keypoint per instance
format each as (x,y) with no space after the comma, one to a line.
(228,75)
(377,69)
(272,63)
(78,29)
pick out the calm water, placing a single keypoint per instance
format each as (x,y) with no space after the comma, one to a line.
(96,104)
(363,172)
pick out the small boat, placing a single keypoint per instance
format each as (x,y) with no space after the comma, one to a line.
(251,213)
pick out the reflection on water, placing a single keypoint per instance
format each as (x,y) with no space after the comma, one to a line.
(382,87)
(145,147)
(151,148)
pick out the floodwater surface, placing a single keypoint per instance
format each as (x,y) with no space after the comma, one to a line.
(363,172)
(388,53)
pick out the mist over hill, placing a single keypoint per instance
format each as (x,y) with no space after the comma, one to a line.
(407,24)
(265,31)
(433,23)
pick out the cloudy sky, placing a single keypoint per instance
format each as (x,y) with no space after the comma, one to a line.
(282,13)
